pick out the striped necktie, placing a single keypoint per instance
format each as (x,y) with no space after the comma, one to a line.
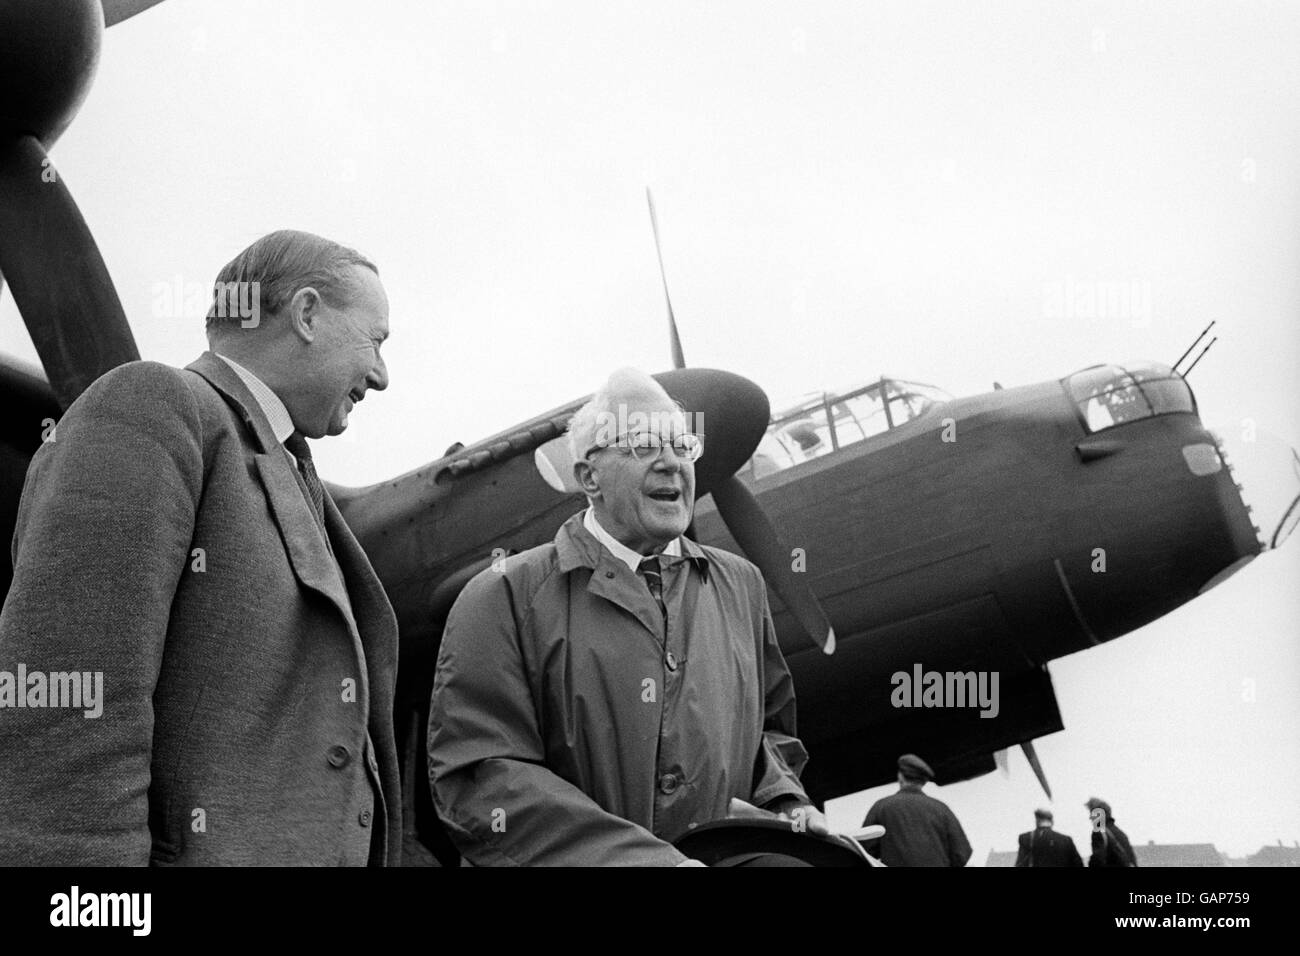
(654,580)
(315,491)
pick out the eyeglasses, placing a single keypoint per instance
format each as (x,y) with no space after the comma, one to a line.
(640,445)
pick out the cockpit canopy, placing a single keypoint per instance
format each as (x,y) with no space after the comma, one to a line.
(823,422)
(1108,395)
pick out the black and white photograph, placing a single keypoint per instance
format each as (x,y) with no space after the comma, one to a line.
(559,433)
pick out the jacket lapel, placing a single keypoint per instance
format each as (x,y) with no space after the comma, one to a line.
(304,543)
(369,602)
(223,378)
(308,553)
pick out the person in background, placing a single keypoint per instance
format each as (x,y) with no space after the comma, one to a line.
(1043,846)
(1110,846)
(919,830)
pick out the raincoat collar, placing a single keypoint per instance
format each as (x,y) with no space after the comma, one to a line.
(619,549)
(611,579)
(576,547)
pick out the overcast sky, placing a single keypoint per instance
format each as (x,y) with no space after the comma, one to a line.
(844,190)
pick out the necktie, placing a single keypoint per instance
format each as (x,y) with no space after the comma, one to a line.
(315,491)
(654,580)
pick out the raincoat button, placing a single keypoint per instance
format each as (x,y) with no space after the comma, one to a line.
(609,574)
(338,756)
(668,783)
(672,661)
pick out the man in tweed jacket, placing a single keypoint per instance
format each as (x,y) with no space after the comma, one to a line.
(174,544)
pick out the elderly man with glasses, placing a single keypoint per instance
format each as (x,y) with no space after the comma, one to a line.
(599,695)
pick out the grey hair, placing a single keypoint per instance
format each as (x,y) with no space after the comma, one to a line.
(624,386)
(280,264)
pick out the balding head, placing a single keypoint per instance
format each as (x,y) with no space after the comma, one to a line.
(628,401)
(642,496)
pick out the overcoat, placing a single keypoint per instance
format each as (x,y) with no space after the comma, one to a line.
(1043,846)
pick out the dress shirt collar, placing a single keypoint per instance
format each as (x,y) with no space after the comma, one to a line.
(617,548)
(276,414)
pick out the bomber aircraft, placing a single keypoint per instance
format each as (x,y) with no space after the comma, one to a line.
(901,531)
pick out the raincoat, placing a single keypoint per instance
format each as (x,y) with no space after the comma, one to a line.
(571,724)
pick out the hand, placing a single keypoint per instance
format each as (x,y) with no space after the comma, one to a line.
(806,817)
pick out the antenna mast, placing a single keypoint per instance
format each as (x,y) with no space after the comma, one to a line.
(1199,357)
(1192,346)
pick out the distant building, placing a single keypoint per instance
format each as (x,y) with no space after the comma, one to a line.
(1275,856)
(1186,854)
(1177,854)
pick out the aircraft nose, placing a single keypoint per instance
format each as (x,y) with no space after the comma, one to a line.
(1267,472)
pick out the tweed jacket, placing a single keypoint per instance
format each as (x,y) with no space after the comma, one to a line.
(164,542)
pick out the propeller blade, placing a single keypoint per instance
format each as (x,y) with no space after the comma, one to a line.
(56,274)
(679,360)
(1032,756)
(732,413)
(749,525)
(115,11)
(737,506)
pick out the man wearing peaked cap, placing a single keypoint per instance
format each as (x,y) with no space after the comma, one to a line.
(1043,846)
(914,767)
(1110,845)
(919,830)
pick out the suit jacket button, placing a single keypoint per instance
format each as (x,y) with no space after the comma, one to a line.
(364,818)
(671,661)
(338,756)
(668,783)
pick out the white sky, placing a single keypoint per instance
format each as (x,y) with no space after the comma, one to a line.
(843,189)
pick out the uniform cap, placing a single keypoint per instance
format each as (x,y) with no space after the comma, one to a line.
(913,766)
